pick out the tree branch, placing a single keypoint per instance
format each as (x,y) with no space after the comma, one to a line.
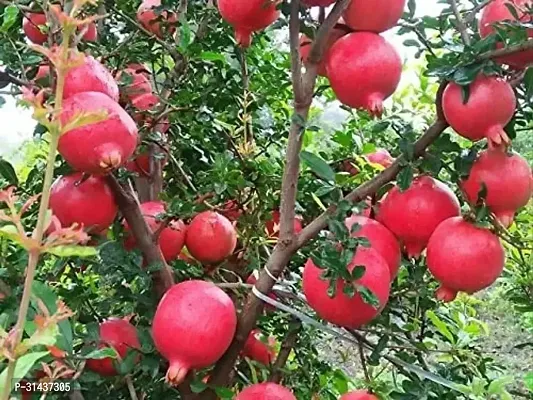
(527,45)
(461,26)
(286,347)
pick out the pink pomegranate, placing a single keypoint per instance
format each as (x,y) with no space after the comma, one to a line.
(102,146)
(265,391)
(471,120)
(318,3)
(91,34)
(272,226)
(374,16)
(91,76)
(341,309)
(305,46)
(464,257)
(507,178)
(248,16)
(363,70)
(145,102)
(43,75)
(358,395)
(257,350)
(204,320)
(156,22)
(32,25)
(381,157)
(140,83)
(413,215)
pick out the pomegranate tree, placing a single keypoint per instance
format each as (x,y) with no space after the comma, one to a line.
(358,395)
(34,25)
(265,391)
(258,350)
(374,16)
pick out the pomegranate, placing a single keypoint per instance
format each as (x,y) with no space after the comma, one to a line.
(102,146)
(88,202)
(32,25)
(140,83)
(141,164)
(507,178)
(306,44)
(464,257)
(91,76)
(232,210)
(363,70)
(211,237)
(257,350)
(204,319)
(120,335)
(342,310)
(381,157)
(91,34)
(381,239)
(272,226)
(156,21)
(374,16)
(265,391)
(318,3)
(145,102)
(248,16)
(414,215)
(171,238)
(471,120)
(349,166)
(358,395)
(43,75)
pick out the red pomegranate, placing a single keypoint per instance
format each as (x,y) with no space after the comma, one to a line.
(88,202)
(363,70)
(91,76)
(248,16)
(341,309)
(32,25)
(171,238)
(350,166)
(381,239)
(257,350)
(471,120)
(43,74)
(464,257)
(211,237)
(358,395)
(204,319)
(232,210)
(155,21)
(120,335)
(141,164)
(507,178)
(140,83)
(381,157)
(145,102)
(100,147)
(306,44)
(91,34)
(413,215)
(318,3)
(272,226)
(265,391)
(374,16)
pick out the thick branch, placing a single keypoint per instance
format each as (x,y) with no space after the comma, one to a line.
(286,347)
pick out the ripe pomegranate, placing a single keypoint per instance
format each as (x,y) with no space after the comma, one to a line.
(471,120)
(32,25)
(88,202)
(140,83)
(363,70)
(204,319)
(381,239)
(91,34)
(265,391)
(374,16)
(272,226)
(248,16)
(141,164)
(306,44)
(102,146)
(118,334)
(155,21)
(507,178)
(211,237)
(257,350)
(358,395)
(91,76)
(232,210)
(381,157)
(145,102)
(464,257)
(414,215)
(341,309)
(171,238)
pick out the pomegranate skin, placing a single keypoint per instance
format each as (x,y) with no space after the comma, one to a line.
(151,20)
(91,76)
(87,202)
(381,239)
(91,35)
(318,3)
(265,391)
(211,237)
(507,178)
(30,26)
(140,83)
(118,334)
(341,309)
(363,70)
(204,319)
(100,147)
(259,351)
(471,120)
(414,215)
(358,395)
(381,157)
(464,258)
(272,225)
(374,16)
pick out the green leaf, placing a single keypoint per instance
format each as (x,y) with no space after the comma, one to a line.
(528,380)
(212,56)
(376,353)
(2,101)
(185,34)
(10,232)
(441,326)
(405,177)
(24,365)
(106,352)
(73,251)
(10,17)
(198,386)
(368,296)
(358,272)
(224,393)
(497,386)
(411,43)
(318,166)
(8,172)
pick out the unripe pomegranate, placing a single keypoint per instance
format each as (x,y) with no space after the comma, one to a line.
(32,24)
(358,395)
(507,178)
(88,202)
(121,336)
(272,226)
(342,310)
(363,70)
(265,391)
(381,157)
(374,16)
(91,34)
(318,3)
(141,164)
(413,215)
(102,146)
(154,21)
(248,16)
(464,257)
(259,351)
(204,320)
(381,239)
(91,76)
(140,83)
(471,120)
(306,43)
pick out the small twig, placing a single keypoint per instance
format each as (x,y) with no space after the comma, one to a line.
(461,26)
(131,388)
(363,362)
(473,13)
(286,347)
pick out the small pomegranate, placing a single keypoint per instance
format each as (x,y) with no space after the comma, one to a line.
(211,237)
(464,258)
(306,44)
(204,319)
(102,146)
(43,75)
(272,226)
(248,16)
(358,395)
(374,16)
(156,21)
(349,166)
(342,310)
(120,335)
(259,351)
(318,3)
(265,391)
(414,215)
(88,202)
(32,25)
(91,76)
(363,70)
(471,120)
(141,164)
(507,178)
(91,34)
(140,83)
(232,210)
(381,157)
